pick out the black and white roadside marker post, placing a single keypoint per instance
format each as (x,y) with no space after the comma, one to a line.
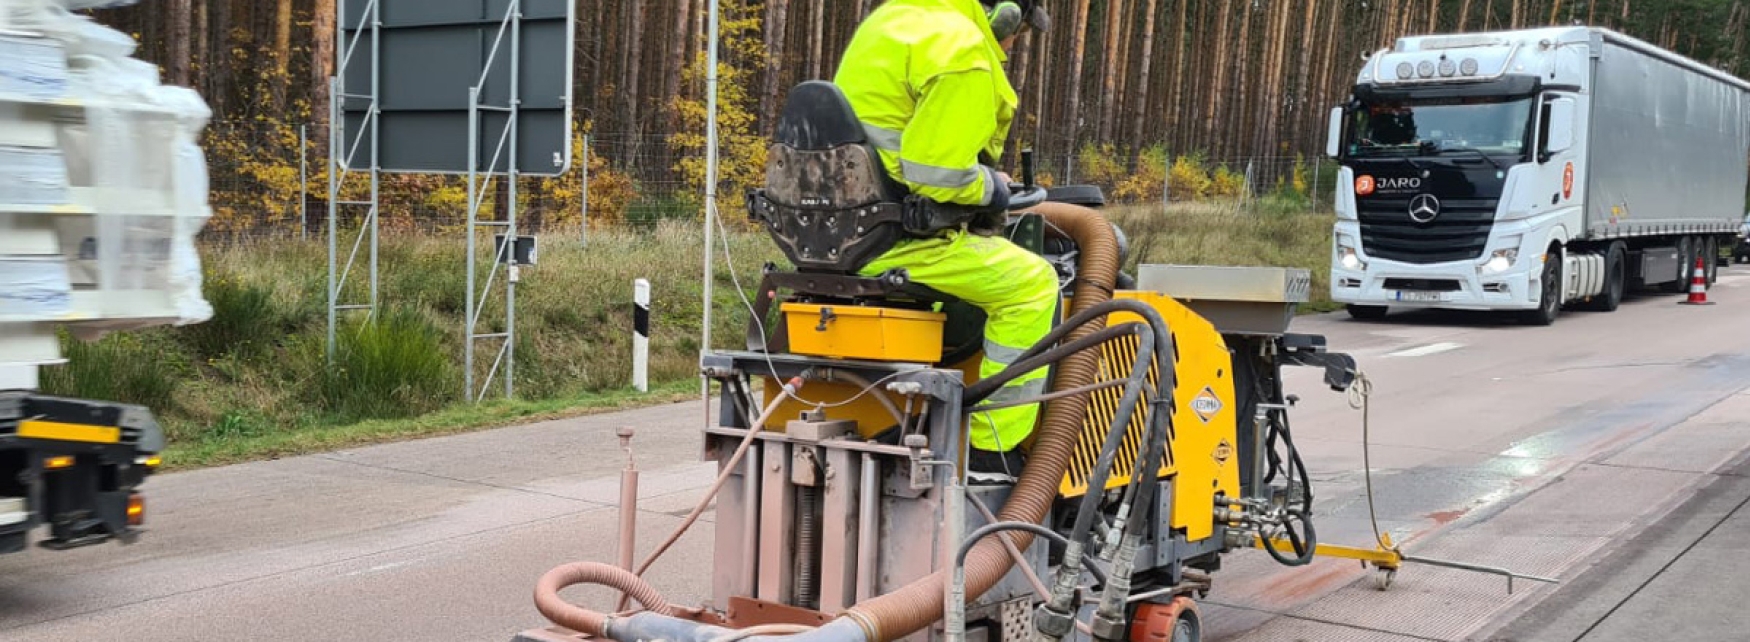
(641,335)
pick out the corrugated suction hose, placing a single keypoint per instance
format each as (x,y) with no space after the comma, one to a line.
(917,605)
(582,620)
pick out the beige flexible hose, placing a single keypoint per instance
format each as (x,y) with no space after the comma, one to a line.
(582,620)
(915,606)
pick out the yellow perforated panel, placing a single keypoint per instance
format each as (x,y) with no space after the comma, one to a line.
(1201,456)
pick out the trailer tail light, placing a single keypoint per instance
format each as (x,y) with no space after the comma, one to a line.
(57,463)
(136,509)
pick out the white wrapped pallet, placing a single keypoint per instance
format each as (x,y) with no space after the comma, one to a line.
(103,186)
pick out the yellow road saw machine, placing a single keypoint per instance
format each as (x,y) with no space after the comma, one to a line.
(843,511)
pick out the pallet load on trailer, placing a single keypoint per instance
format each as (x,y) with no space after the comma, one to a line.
(102,190)
(1533,170)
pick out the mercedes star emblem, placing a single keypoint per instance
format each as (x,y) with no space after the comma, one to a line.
(1424,207)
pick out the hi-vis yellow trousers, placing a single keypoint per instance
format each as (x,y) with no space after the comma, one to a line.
(1017,290)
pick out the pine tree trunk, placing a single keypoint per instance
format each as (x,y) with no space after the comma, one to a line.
(1555,11)
(321,63)
(816,61)
(1464,16)
(1298,111)
(1215,83)
(1109,77)
(200,51)
(282,39)
(1239,77)
(1176,98)
(1077,46)
(1140,95)
(634,61)
(179,64)
(776,12)
(671,90)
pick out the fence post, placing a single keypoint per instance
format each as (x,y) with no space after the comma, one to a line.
(641,335)
(583,209)
(1246,194)
(1167,184)
(1313,189)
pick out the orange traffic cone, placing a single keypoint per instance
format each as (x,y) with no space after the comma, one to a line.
(1698,285)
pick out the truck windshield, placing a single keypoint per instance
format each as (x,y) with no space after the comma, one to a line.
(1492,126)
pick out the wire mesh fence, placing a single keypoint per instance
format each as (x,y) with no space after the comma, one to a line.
(271,180)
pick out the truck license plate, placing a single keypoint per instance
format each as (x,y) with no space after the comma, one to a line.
(1422,297)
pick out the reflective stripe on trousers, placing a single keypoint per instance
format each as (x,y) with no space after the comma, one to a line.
(1016,289)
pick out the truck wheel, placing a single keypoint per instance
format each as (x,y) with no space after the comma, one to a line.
(1367,312)
(1615,280)
(1550,304)
(1685,267)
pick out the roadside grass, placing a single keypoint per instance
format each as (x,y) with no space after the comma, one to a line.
(220,447)
(255,382)
(1278,231)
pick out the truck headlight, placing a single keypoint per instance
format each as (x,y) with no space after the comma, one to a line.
(1349,259)
(1501,261)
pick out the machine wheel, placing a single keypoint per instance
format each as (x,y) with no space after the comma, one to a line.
(1685,267)
(1367,312)
(1175,621)
(1615,280)
(1188,628)
(1384,578)
(1550,304)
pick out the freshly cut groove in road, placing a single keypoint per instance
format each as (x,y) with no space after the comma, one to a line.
(1430,349)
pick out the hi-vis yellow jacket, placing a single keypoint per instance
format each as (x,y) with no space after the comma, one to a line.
(926,78)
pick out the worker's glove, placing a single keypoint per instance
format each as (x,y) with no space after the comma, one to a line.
(999,195)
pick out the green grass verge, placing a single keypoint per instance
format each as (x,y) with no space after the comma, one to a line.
(218,448)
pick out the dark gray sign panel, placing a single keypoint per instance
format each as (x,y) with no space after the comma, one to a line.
(432,52)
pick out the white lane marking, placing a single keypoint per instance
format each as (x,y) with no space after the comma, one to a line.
(1434,348)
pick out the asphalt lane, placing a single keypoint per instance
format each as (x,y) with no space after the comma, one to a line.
(1536,449)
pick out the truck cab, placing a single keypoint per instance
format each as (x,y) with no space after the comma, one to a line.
(1462,177)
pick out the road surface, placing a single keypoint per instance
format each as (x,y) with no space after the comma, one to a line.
(1538,449)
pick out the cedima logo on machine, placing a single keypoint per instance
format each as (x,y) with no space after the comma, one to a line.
(1206,405)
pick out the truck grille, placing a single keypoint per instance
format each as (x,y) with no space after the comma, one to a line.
(1460,233)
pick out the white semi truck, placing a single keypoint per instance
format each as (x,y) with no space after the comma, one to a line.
(1532,170)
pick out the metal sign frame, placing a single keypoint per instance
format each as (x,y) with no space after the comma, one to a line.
(425,55)
(494,112)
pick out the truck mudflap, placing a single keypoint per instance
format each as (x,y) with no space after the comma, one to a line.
(75,466)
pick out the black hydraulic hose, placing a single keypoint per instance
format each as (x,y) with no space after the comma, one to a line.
(988,529)
(988,386)
(1049,396)
(1080,319)
(1109,446)
(1303,542)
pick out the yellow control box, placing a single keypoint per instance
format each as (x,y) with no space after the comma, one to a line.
(859,332)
